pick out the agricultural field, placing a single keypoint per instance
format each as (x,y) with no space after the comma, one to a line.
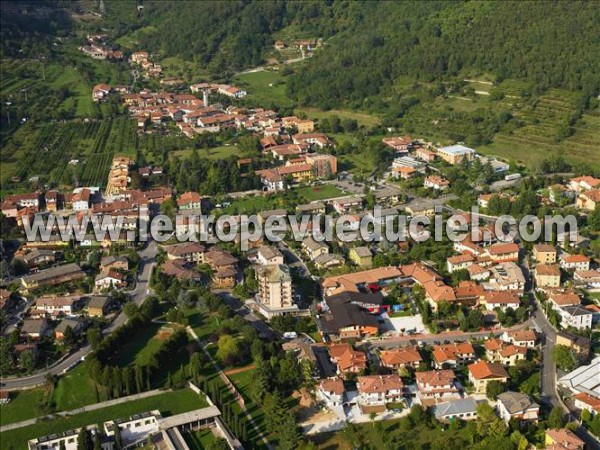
(364,119)
(542,122)
(220,152)
(264,88)
(168,404)
(33,149)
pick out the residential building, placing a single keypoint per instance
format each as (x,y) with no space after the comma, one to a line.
(347,359)
(454,154)
(110,279)
(463,409)
(504,353)
(35,328)
(585,183)
(482,372)
(588,200)
(425,154)
(379,389)
(400,358)
(58,305)
(522,338)
(575,262)
(314,248)
(114,262)
(53,276)
(38,256)
(329,260)
(361,256)
(75,323)
(460,262)
(192,252)
(544,253)
(98,306)
(269,255)
(579,344)
(345,319)
(501,300)
(350,281)
(437,384)
(585,401)
(347,204)
(503,252)
(562,439)
(404,172)
(402,144)
(189,200)
(436,182)
(274,295)
(588,279)
(506,276)
(223,265)
(332,392)
(515,405)
(547,275)
(577,316)
(451,355)
(558,299)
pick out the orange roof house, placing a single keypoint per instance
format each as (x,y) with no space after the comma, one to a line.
(400,358)
(453,354)
(482,372)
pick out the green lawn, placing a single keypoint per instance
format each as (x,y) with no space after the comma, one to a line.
(221,152)
(23,405)
(76,389)
(138,349)
(265,87)
(72,391)
(366,119)
(168,404)
(200,440)
(319,192)
(355,163)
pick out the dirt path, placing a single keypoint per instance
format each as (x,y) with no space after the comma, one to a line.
(239,370)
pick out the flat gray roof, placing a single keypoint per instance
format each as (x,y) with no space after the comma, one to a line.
(181,419)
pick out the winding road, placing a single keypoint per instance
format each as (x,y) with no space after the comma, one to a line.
(137,295)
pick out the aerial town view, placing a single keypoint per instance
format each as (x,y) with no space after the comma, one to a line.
(313,224)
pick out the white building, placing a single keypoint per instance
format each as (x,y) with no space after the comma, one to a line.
(515,405)
(576,316)
(135,427)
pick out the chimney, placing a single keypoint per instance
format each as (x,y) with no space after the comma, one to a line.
(205,97)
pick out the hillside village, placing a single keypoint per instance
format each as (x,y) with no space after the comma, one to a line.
(117,340)
(390,334)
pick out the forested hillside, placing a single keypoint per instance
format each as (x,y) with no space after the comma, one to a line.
(547,44)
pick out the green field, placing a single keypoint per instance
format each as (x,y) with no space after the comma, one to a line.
(221,152)
(168,404)
(264,87)
(71,392)
(140,347)
(319,192)
(200,440)
(23,405)
(365,119)
(76,389)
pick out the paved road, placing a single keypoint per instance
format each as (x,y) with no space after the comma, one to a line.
(454,336)
(138,294)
